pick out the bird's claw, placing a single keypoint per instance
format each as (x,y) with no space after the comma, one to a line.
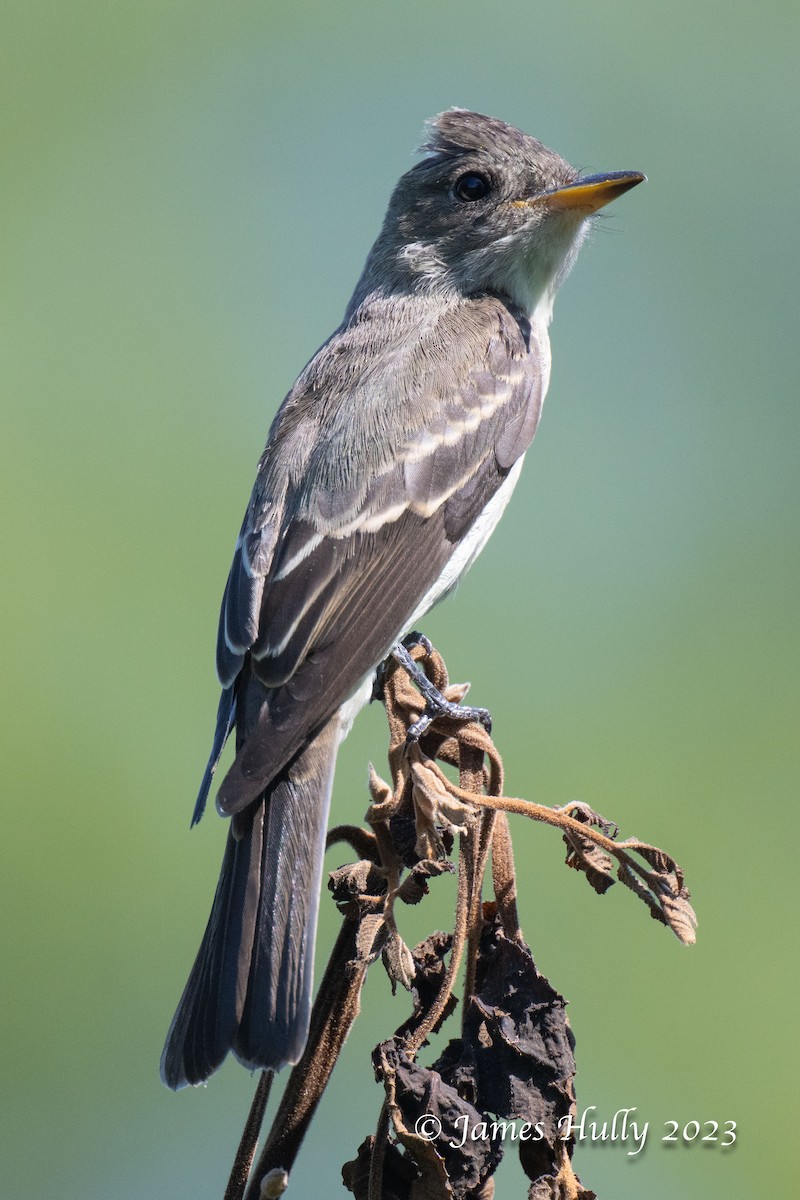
(436,705)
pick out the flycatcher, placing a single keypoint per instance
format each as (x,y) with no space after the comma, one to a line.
(385,471)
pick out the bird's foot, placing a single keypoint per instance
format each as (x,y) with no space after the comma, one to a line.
(436,705)
(408,643)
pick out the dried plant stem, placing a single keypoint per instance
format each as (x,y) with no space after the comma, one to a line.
(558,817)
(482,846)
(503,879)
(379,1154)
(659,883)
(435,1011)
(477,844)
(247,1146)
(335,1009)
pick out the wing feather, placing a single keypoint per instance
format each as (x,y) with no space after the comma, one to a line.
(352,522)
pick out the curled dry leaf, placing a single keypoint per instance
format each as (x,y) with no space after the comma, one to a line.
(399,1172)
(435,806)
(662,888)
(398,961)
(430,970)
(371,937)
(454,1155)
(415,884)
(456,693)
(360,883)
(382,800)
(379,789)
(515,1058)
(585,855)
(680,916)
(562,1185)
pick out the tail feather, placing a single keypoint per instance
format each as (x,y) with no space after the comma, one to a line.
(251,984)
(226,717)
(274,1024)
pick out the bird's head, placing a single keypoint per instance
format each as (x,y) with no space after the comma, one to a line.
(490,208)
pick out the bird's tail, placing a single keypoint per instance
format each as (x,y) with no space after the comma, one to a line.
(250,987)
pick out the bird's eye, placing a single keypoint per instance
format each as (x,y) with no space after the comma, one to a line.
(472,186)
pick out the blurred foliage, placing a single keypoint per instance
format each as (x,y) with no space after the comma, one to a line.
(189,191)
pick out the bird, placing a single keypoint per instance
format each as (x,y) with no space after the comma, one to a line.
(386,469)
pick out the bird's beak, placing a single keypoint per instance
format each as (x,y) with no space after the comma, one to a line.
(590,193)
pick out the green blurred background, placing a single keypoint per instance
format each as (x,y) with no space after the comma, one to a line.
(189,191)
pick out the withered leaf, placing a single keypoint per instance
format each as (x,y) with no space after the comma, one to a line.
(662,889)
(588,816)
(430,969)
(562,1184)
(379,789)
(399,1172)
(592,860)
(371,937)
(359,881)
(462,1156)
(583,854)
(435,810)
(680,916)
(516,1056)
(415,885)
(403,830)
(398,961)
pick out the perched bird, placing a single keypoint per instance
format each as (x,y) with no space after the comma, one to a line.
(385,471)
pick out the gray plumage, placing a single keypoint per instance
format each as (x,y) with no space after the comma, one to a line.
(385,470)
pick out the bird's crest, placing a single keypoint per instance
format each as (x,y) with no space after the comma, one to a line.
(459,131)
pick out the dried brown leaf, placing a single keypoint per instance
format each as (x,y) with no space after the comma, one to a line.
(563,1184)
(662,889)
(398,961)
(452,1164)
(379,789)
(435,808)
(588,816)
(359,887)
(415,884)
(680,916)
(586,856)
(371,937)
(516,1054)
(399,1172)
(430,970)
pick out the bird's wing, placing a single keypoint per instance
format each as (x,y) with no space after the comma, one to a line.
(351,525)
